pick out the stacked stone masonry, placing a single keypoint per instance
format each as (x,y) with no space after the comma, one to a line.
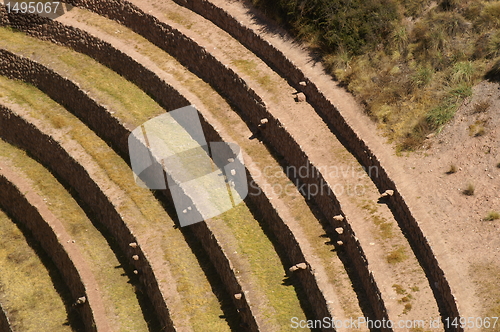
(242,96)
(288,70)
(241,92)
(230,85)
(20,133)
(170,99)
(101,121)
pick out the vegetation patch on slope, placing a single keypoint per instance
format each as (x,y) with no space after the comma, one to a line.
(410,62)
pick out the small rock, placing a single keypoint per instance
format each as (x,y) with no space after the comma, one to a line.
(338,217)
(300,97)
(81,300)
(302,83)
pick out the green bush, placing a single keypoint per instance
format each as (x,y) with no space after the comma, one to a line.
(412,74)
(353,25)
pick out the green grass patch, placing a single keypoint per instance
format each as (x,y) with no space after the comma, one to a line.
(249,67)
(27,291)
(130,103)
(265,264)
(397,255)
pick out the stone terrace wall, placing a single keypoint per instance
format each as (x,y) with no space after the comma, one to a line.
(229,84)
(21,133)
(100,120)
(170,99)
(16,205)
(287,69)
(4,321)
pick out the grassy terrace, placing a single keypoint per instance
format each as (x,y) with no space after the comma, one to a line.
(134,107)
(27,290)
(237,130)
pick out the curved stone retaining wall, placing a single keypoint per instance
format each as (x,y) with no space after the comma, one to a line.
(16,205)
(288,70)
(170,99)
(229,84)
(4,321)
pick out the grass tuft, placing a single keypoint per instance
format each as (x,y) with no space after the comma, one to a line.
(452,169)
(477,129)
(399,289)
(469,190)
(481,107)
(492,215)
(396,256)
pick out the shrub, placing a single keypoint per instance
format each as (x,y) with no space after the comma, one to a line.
(469,190)
(448,4)
(353,25)
(452,169)
(492,215)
